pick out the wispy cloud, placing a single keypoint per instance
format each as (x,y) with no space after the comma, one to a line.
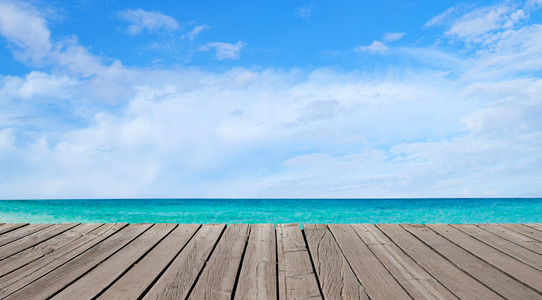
(374,47)
(379,47)
(392,36)
(195,31)
(147,20)
(225,50)
(474,25)
(443,17)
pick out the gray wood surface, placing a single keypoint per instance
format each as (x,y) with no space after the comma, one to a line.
(37,268)
(180,276)
(513,236)
(95,281)
(10,227)
(296,277)
(416,281)
(457,281)
(517,269)
(33,239)
(530,230)
(54,281)
(258,277)
(375,278)
(527,256)
(493,278)
(24,257)
(337,279)
(217,279)
(215,261)
(138,279)
(537,226)
(22,232)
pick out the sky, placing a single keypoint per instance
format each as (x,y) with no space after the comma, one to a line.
(270,99)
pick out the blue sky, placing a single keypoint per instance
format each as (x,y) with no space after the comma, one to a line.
(270,99)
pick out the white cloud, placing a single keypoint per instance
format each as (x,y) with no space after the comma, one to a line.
(195,31)
(443,17)
(224,50)
(374,47)
(479,24)
(392,36)
(23,25)
(480,21)
(147,20)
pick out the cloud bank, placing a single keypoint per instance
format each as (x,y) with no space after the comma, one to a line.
(78,126)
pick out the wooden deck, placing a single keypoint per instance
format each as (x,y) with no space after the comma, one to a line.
(215,261)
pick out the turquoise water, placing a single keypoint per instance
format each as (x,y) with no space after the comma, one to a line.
(275,210)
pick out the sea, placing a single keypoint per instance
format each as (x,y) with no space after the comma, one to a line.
(434,210)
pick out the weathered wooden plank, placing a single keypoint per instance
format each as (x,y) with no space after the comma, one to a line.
(375,278)
(11,226)
(513,236)
(33,239)
(458,282)
(258,277)
(217,279)
(19,233)
(519,270)
(477,268)
(46,286)
(531,230)
(417,282)
(296,277)
(537,226)
(336,278)
(138,279)
(519,253)
(95,281)
(37,268)
(24,257)
(181,275)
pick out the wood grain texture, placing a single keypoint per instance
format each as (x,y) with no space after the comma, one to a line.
(337,279)
(513,236)
(24,257)
(375,278)
(218,277)
(181,275)
(530,230)
(33,239)
(296,277)
(95,281)
(493,278)
(58,279)
(258,276)
(517,269)
(416,281)
(22,232)
(527,256)
(138,279)
(338,261)
(537,226)
(10,227)
(457,281)
(37,268)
